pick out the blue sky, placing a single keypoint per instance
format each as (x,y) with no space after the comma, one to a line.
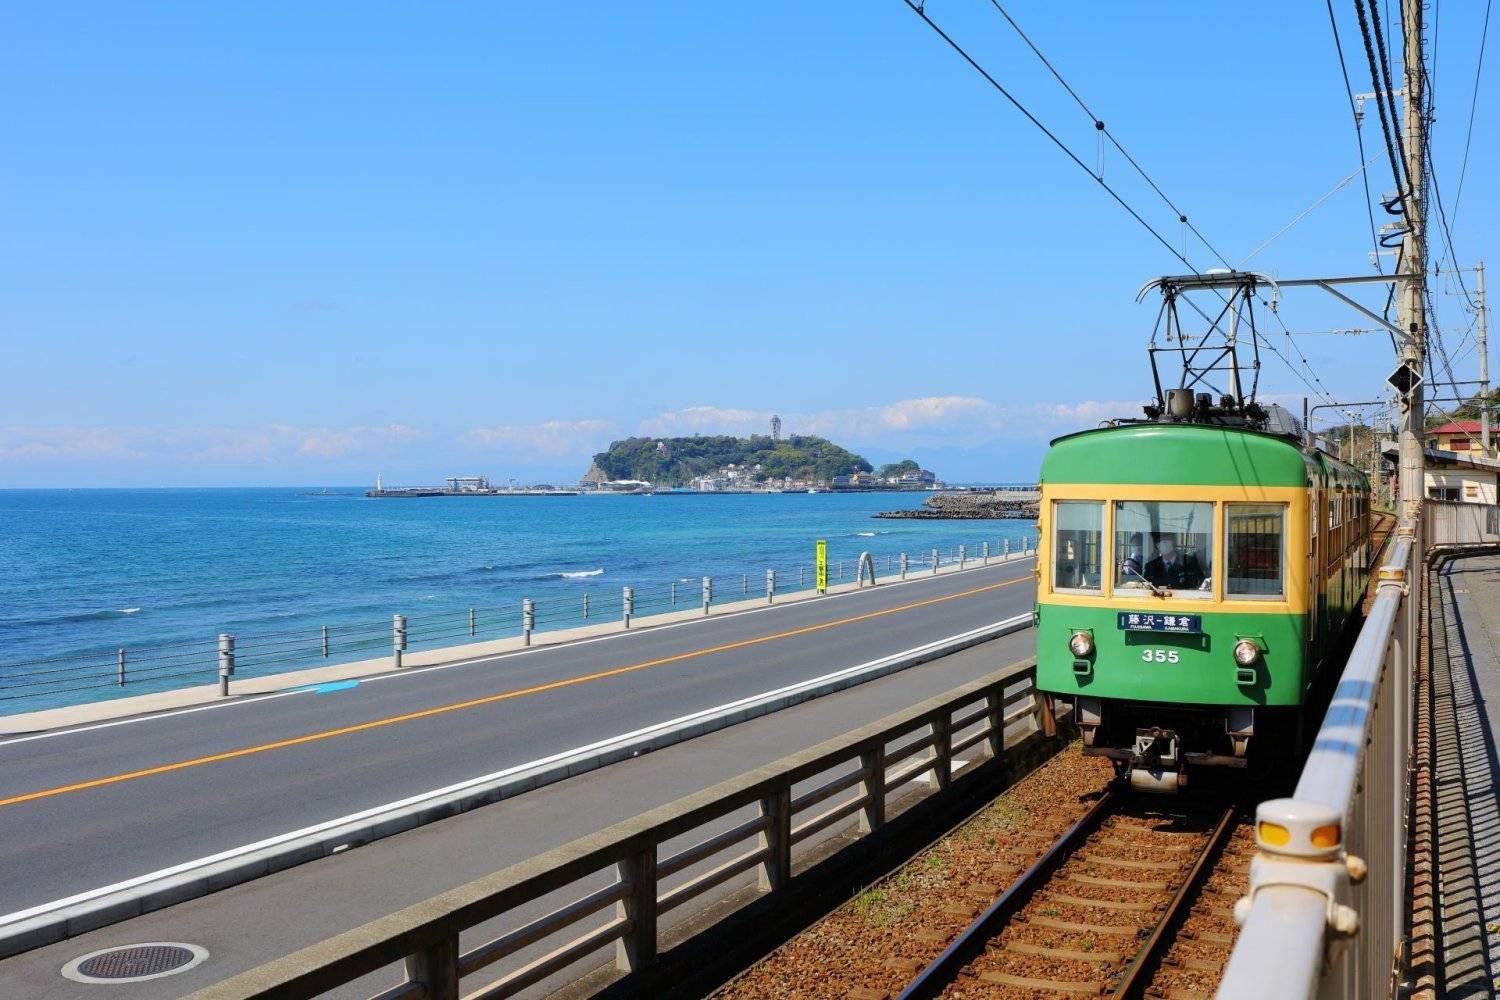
(293,243)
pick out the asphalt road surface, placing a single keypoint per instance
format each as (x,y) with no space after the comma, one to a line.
(89,807)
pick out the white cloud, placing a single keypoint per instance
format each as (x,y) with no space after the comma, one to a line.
(21,444)
(963,421)
(553,438)
(707,420)
(200,445)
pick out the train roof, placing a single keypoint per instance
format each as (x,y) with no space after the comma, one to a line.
(1191,454)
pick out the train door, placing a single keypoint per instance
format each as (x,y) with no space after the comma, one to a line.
(1315,533)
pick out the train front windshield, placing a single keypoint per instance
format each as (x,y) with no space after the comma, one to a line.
(1165,543)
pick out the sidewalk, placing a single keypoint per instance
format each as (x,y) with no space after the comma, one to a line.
(201,694)
(1464,636)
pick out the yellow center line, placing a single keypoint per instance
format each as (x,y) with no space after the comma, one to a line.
(426,713)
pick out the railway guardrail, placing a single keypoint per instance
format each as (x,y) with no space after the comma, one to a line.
(790,801)
(1325,915)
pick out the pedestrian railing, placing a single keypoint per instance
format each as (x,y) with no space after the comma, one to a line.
(621,881)
(1326,914)
(64,679)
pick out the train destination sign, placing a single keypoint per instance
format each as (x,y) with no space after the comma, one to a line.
(1153,621)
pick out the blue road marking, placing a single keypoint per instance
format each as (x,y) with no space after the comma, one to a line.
(332,686)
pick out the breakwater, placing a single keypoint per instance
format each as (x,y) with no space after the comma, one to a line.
(1002,505)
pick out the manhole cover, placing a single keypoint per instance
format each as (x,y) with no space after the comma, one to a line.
(133,963)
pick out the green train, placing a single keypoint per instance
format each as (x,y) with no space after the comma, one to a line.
(1192,579)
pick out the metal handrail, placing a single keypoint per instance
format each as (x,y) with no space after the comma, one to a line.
(1324,915)
(258,654)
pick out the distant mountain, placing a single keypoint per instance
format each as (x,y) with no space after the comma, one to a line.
(675,461)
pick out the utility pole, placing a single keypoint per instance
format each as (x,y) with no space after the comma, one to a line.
(1410,315)
(1484,365)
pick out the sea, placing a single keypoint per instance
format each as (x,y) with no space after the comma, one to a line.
(160,573)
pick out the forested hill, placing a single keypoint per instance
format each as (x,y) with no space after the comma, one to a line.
(675,461)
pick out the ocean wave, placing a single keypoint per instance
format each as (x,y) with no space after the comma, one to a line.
(581,574)
(864,534)
(81,616)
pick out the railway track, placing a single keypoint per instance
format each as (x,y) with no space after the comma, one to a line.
(1095,914)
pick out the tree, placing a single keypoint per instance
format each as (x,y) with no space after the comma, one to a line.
(900,468)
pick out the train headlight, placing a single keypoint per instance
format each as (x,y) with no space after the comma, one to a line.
(1082,644)
(1246,653)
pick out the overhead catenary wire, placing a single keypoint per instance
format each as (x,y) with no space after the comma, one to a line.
(918,8)
(1463,171)
(1359,138)
(1314,207)
(1104,130)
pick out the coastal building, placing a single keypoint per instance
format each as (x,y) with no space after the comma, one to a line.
(1464,437)
(921,477)
(775,427)
(1467,476)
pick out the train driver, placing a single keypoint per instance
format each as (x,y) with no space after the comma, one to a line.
(1173,569)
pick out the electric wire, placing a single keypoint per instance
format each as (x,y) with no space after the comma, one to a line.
(919,9)
(1463,171)
(1359,137)
(1100,126)
(1385,123)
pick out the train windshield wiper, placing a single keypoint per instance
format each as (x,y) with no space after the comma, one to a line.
(1158,591)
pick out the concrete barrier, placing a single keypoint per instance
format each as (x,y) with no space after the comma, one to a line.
(992,718)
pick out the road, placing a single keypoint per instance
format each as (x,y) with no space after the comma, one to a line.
(90,807)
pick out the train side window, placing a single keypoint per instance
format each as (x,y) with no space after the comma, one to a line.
(1253,549)
(1078,549)
(1165,544)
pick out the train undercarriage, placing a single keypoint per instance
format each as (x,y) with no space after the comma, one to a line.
(1156,744)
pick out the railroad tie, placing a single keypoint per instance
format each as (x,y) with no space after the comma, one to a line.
(1131,863)
(1195,964)
(1121,905)
(1208,937)
(1117,883)
(1073,925)
(1211,910)
(1062,954)
(982,890)
(1131,842)
(1027,983)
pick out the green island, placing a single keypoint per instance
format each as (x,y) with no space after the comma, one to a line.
(722,461)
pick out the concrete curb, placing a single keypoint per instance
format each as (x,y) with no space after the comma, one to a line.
(61,919)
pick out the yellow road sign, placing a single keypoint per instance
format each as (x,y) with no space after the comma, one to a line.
(822,566)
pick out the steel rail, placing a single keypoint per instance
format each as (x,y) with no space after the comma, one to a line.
(944,969)
(1137,974)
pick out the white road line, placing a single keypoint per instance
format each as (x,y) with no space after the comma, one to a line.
(365,814)
(255,699)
